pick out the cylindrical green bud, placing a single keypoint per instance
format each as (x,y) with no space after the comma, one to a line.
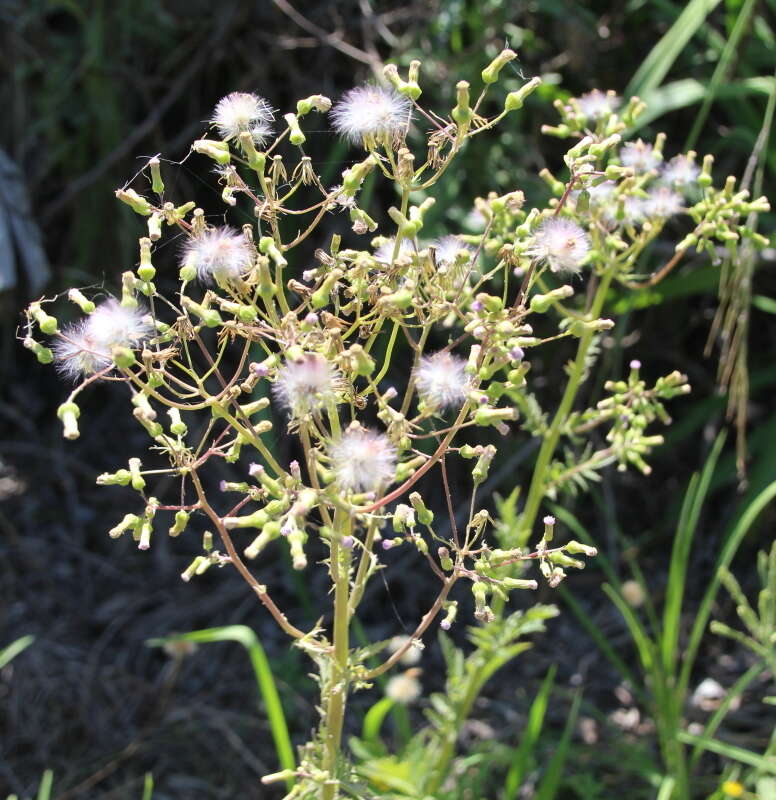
(77,297)
(519,583)
(43,354)
(296,137)
(462,113)
(515,100)
(575,548)
(46,322)
(180,523)
(123,357)
(119,478)
(320,296)
(69,412)
(177,425)
(157,184)
(493,416)
(425,515)
(138,481)
(218,151)
(135,201)
(444,559)
(491,72)
(480,471)
(129,521)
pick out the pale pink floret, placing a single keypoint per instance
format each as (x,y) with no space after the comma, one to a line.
(219,255)
(680,172)
(243,112)
(639,155)
(561,244)
(363,460)
(662,203)
(441,380)
(597,104)
(86,346)
(371,113)
(306,385)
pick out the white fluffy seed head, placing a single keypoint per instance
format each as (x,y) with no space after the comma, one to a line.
(448,251)
(86,346)
(561,244)
(640,156)
(442,381)
(597,104)
(363,460)
(662,203)
(384,253)
(680,172)
(306,385)
(368,114)
(219,255)
(404,688)
(241,112)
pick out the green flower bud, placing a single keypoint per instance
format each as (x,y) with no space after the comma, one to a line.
(491,72)
(77,297)
(135,201)
(129,521)
(177,425)
(181,521)
(462,113)
(138,481)
(425,516)
(123,357)
(46,322)
(157,184)
(515,100)
(296,137)
(43,354)
(218,151)
(69,412)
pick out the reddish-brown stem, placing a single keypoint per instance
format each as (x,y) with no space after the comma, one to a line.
(257,587)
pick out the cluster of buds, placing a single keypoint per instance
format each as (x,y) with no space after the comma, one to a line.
(249,327)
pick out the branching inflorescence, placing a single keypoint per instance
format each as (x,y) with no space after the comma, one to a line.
(248,322)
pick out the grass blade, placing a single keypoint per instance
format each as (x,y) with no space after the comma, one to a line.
(763,763)
(680,556)
(661,58)
(529,738)
(732,542)
(264,679)
(46,782)
(9,653)
(548,788)
(720,71)
(373,719)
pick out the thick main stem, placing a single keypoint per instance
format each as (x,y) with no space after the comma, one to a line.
(337,686)
(537,488)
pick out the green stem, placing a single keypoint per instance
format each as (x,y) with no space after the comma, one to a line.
(337,687)
(537,488)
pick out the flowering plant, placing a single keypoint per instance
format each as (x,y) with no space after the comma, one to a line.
(472,308)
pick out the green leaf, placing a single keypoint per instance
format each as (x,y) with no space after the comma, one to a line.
(548,788)
(9,653)
(530,736)
(680,555)
(763,303)
(374,718)
(661,58)
(763,763)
